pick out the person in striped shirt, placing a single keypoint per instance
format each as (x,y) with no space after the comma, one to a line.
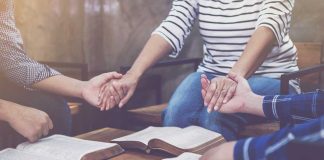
(304,111)
(246,37)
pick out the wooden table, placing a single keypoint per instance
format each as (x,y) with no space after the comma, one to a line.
(107,134)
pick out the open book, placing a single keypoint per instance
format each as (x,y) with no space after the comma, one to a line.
(186,156)
(58,147)
(173,140)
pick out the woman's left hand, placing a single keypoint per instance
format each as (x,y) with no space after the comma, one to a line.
(219,91)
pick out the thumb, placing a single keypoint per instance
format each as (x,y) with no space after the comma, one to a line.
(110,76)
(204,82)
(126,98)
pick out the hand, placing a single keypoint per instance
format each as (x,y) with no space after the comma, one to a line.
(244,100)
(29,122)
(219,91)
(223,152)
(91,88)
(118,92)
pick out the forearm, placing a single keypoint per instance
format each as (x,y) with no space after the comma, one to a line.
(61,85)
(289,108)
(255,52)
(154,50)
(274,145)
(5,110)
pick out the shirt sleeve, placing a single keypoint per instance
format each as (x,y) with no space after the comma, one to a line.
(178,25)
(294,108)
(276,15)
(14,63)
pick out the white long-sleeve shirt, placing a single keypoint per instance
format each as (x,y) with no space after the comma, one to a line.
(226,27)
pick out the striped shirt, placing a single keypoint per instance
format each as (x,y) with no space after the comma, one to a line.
(226,27)
(14,63)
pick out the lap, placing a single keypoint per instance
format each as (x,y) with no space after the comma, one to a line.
(55,106)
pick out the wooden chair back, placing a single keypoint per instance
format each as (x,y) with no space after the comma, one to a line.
(309,54)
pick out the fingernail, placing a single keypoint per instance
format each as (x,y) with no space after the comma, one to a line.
(205,104)
(209,110)
(120,105)
(216,108)
(225,101)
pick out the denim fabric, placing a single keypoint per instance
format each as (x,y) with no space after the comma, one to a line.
(186,106)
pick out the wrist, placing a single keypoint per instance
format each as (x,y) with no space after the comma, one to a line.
(238,73)
(79,88)
(6,110)
(253,104)
(134,74)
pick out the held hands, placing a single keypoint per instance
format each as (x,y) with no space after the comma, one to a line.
(29,122)
(118,92)
(91,88)
(217,92)
(238,97)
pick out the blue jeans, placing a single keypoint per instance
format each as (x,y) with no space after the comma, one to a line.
(186,107)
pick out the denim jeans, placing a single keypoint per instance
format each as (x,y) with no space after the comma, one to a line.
(186,107)
(55,106)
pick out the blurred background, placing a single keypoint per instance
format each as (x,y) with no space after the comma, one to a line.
(108,34)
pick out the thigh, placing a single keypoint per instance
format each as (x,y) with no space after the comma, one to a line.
(267,86)
(185,103)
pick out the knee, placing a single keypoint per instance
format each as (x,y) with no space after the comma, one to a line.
(172,117)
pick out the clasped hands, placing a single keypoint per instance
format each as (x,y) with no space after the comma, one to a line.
(218,94)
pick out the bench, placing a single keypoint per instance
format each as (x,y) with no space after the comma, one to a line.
(309,55)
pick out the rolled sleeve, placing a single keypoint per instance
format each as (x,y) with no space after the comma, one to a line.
(14,64)
(276,15)
(178,25)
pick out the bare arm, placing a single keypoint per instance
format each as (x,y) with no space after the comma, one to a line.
(61,85)
(29,122)
(156,48)
(122,90)
(256,51)
(222,89)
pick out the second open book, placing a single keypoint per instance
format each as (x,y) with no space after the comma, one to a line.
(173,140)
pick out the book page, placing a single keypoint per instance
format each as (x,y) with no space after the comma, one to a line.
(149,133)
(186,156)
(63,147)
(191,137)
(14,154)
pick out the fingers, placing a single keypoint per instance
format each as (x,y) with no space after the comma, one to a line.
(220,91)
(230,93)
(114,96)
(204,82)
(112,103)
(126,98)
(217,93)
(220,99)
(210,93)
(104,97)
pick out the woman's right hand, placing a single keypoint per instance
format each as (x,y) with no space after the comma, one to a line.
(118,92)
